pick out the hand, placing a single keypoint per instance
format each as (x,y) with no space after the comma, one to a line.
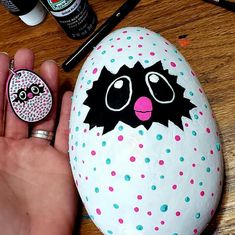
(37,193)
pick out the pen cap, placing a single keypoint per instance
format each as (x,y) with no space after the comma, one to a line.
(35,16)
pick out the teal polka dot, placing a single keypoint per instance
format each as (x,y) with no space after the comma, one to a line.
(181,73)
(103,52)
(130,57)
(164,208)
(97,190)
(94,169)
(203,158)
(82,78)
(76,143)
(77,129)
(75,159)
(146,61)
(208,169)
(116,206)
(139,227)
(159,137)
(147,160)
(187,199)
(154,187)
(141,132)
(127,178)
(206,106)
(128,38)
(111,39)
(104,143)
(191,93)
(89,82)
(87,199)
(175,234)
(175,51)
(79,113)
(162,176)
(120,128)
(200,184)
(196,116)
(194,133)
(198,215)
(168,150)
(112,60)
(110,232)
(108,161)
(218,146)
(83,145)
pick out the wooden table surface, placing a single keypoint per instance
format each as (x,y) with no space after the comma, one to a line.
(209,48)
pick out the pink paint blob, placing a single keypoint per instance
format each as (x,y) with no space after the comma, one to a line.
(143,108)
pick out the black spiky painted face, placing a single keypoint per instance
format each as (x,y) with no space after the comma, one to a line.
(136,96)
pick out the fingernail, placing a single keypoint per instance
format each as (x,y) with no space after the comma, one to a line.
(53,61)
(3,52)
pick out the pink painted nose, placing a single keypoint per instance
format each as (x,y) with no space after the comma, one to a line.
(143,108)
(30,95)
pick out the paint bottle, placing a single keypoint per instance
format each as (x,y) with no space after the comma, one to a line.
(31,12)
(76,17)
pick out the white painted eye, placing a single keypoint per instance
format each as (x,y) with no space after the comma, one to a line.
(119,94)
(159,87)
(22,95)
(35,90)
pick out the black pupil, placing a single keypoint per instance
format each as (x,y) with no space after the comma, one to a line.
(160,88)
(118,94)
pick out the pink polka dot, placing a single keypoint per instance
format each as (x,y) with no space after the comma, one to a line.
(94,70)
(195,231)
(118,39)
(149,213)
(202,193)
(211,152)
(166,50)
(156,228)
(166,43)
(186,124)
(193,73)
(112,46)
(120,138)
(140,46)
(98,211)
(124,31)
(140,54)
(86,178)
(212,194)
(132,159)
(152,53)
(119,49)
(162,222)
(136,209)
(174,187)
(177,138)
(93,152)
(212,212)
(192,181)
(142,176)
(201,113)
(181,173)
(141,37)
(129,46)
(141,146)
(99,47)
(113,173)
(200,90)
(120,221)
(208,130)
(139,197)
(85,130)
(177,213)
(161,162)
(111,189)
(173,64)
(193,165)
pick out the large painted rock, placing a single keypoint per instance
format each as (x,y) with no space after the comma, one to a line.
(144,148)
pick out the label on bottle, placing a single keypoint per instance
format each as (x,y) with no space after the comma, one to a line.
(65,11)
(10,6)
(58,5)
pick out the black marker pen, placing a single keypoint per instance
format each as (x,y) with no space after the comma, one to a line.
(96,37)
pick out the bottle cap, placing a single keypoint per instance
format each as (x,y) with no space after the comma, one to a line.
(35,16)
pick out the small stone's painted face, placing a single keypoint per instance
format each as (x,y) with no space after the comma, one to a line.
(136,96)
(29,96)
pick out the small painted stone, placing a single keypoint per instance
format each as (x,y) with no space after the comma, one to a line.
(144,147)
(29,96)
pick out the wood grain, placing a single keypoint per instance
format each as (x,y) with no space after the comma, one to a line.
(211,52)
